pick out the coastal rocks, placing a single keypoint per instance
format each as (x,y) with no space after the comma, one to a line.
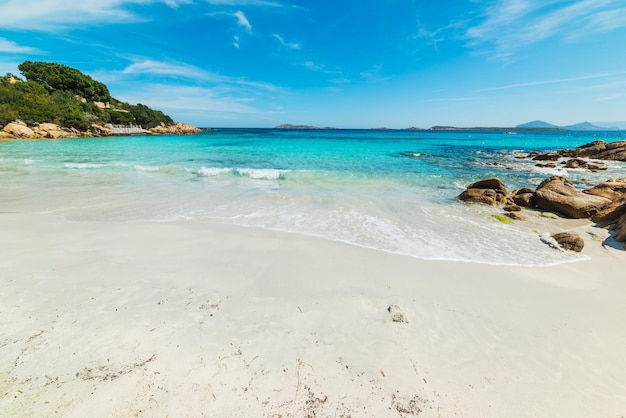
(489,191)
(569,241)
(577,163)
(175,129)
(523,197)
(99,130)
(52,131)
(597,150)
(19,129)
(611,189)
(557,194)
(600,150)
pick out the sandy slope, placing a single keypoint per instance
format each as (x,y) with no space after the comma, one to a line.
(185,319)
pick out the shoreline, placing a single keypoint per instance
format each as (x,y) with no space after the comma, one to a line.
(183,318)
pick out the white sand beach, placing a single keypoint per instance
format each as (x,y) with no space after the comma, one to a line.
(183,319)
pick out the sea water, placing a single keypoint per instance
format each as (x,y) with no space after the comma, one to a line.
(383,189)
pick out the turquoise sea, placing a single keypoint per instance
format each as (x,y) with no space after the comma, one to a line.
(384,189)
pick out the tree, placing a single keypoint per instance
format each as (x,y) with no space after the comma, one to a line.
(61,77)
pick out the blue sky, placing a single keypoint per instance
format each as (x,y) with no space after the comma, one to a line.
(340,63)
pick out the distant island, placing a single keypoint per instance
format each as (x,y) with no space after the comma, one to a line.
(583,126)
(289,126)
(536,125)
(57,101)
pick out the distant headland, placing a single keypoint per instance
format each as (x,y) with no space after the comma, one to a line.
(57,101)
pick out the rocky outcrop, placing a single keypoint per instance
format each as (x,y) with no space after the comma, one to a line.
(599,150)
(489,191)
(19,130)
(175,129)
(52,131)
(604,204)
(557,194)
(596,150)
(569,241)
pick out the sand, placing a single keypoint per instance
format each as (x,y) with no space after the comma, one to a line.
(182,319)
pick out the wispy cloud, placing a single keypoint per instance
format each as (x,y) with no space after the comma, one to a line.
(373,74)
(290,45)
(189,72)
(509,25)
(195,98)
(148,66)
(10,47)
(51,15)
(554,81)
(242,20)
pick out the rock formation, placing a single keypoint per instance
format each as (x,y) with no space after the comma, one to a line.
(596,150)
(604,204)
(557,194)
(489,191)
(175,129)
(18,129)
(569,241)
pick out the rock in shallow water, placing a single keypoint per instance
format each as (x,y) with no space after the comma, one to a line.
(489,191)
(569,241)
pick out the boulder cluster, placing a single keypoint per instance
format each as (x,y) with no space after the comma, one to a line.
(596,150)
(604,204)
(175,129)
(19,130)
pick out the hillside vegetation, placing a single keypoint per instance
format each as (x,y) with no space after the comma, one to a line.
(63,95)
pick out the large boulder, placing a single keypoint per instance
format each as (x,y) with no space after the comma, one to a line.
(557,194)
(489,191)
(569,241)
(612,189)
(523,197)
(19,130)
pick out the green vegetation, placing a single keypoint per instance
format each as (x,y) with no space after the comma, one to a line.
(65,96)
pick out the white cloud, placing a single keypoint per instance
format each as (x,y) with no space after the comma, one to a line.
(190,72)
(313,66)
(148,66)
(291,45)
(50,15)
(165,96)
(555,81)
(10,47)
(242,20)
(512,24)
